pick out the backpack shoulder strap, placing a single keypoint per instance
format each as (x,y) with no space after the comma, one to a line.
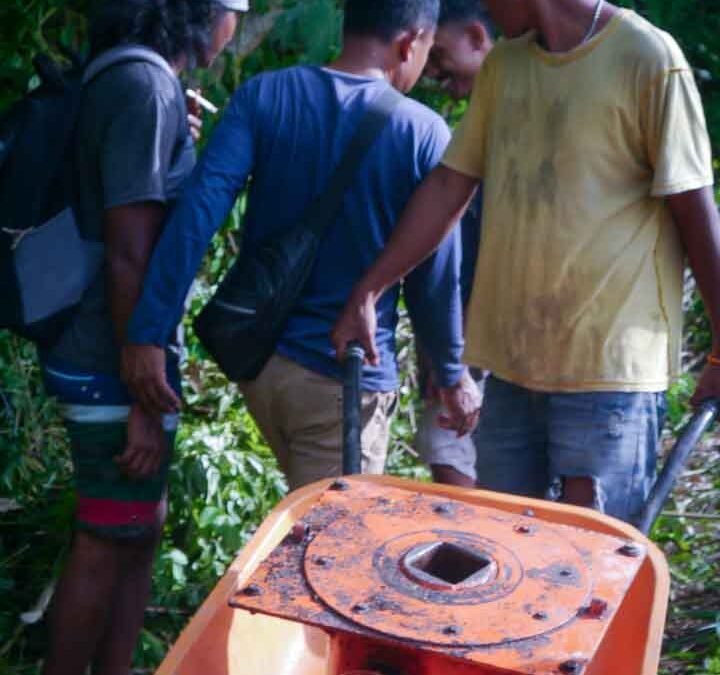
(138,53)
(124,54)
(326,206)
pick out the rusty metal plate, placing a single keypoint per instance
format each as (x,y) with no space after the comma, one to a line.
(472,582)
(535,588)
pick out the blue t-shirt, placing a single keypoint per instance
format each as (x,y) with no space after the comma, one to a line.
(288,130)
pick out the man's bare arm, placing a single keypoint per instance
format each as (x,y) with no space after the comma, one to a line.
(130,235)
(696,217)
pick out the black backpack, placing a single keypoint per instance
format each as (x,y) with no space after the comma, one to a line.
(45,264)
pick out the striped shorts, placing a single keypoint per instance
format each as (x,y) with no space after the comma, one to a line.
(95,410)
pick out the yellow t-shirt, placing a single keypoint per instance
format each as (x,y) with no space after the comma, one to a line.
(579,277)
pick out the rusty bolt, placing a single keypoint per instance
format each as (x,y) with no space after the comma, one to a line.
(384,501)
(340,485)
(540,616)
(322,561)
(299,532)
(594,610)
(630,550)
(452,630)
(361,608)
(529,513)
(571,667)
(252,591)
(524,529)
(443,509)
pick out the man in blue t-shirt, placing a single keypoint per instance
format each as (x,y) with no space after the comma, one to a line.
(288,130)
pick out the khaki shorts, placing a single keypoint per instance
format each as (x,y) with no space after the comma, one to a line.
(440,447)
(300,414)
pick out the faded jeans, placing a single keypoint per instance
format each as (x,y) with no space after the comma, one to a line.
(531,443)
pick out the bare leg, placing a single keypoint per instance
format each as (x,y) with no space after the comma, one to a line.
(82,605)
(579,492)
(115,651)
(449,476)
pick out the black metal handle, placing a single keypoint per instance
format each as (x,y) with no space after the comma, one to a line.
(690,436)
(352,407)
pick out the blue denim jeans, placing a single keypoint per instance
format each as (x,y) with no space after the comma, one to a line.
(531,443)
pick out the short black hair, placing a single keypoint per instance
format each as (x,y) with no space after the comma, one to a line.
(386,18)
(462,11)
(173,28)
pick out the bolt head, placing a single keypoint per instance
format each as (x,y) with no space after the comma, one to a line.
(452,630)
(252,591)
(524,529)
(630,550)
(444,509)
(529,513)
(299,532)
(595,610)
(340,485)
(540,616)
(322,561)
(361,608)
(571,668)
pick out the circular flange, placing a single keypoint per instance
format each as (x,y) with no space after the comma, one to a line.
(529,580)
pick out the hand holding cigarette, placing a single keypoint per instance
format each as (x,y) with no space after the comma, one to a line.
(201,101)
(196,104)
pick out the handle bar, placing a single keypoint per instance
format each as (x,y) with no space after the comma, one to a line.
(352,406)
(690,436)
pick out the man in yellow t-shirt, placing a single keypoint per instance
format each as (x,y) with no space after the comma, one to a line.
(588,132)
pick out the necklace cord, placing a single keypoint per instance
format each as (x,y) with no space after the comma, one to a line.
(593,25)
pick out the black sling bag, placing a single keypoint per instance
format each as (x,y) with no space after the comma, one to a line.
(242,324)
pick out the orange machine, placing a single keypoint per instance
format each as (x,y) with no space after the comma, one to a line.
(398,578)
(379,576)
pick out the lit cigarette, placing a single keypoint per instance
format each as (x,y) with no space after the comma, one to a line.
(202,101)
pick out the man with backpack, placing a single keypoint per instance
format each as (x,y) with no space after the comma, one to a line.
(130,153)
(587,130)
(291,130)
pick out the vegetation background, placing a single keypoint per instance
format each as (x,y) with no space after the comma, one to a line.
(224,479)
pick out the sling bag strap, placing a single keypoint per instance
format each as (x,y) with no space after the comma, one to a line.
(324,209)
(243,323)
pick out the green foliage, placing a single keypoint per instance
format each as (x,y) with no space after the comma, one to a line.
(309,32)
(31,27)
